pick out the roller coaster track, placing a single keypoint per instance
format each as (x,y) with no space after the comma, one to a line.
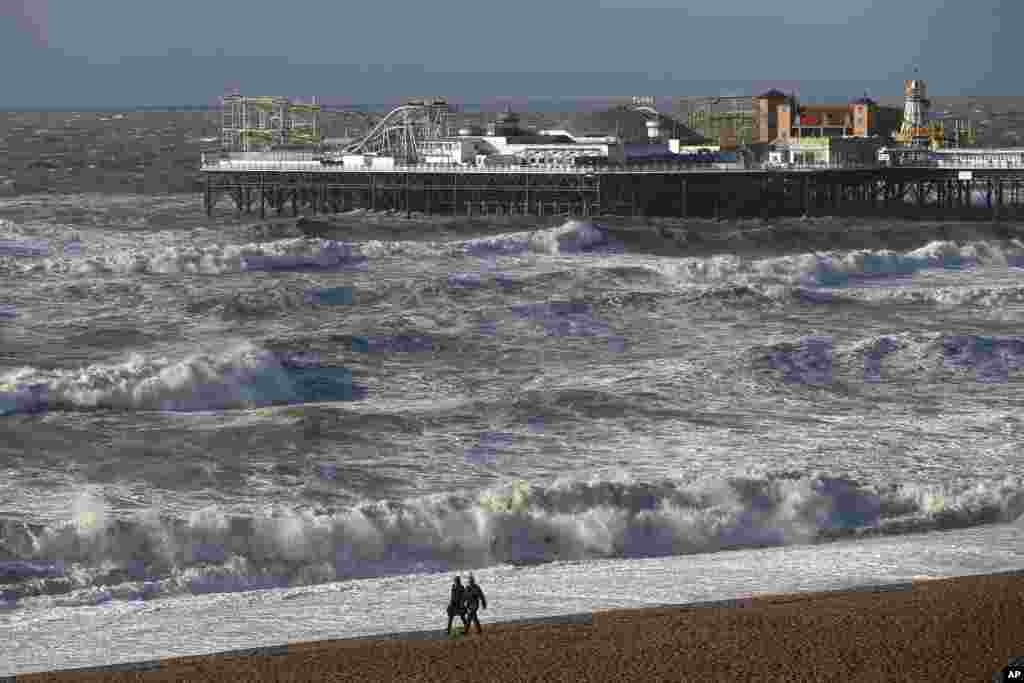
(398,134)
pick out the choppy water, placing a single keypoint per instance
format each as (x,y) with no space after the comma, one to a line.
(192,408)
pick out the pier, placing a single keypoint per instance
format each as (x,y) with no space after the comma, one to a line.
(301,185)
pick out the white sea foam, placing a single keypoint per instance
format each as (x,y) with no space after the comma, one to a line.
(572,237)
(240,377)
(207,259)
(212,550)
(215,258)
(841,268)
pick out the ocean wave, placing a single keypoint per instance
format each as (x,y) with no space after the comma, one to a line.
(992,298)
(984,297)
(211,259)
(24,248)
(516,523)
(407,248)
(572,237)
(268,299)
(330,296)
(290,254)
(402,343)
(559,319)
(825,233)
(837,269)
(725,296)
(563,318)
(629,275)
(834,270)
(14,252)
(818,361)
(990,358)
(241,377)
(734,295)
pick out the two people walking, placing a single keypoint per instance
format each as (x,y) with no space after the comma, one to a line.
(464,603)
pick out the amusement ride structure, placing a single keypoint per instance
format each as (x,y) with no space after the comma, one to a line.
(401,132)
(252,123)
(267,123)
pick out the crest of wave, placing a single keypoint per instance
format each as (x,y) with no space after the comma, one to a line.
(212,550)
(573,236)
(839,268)
(240,377)
(210,259)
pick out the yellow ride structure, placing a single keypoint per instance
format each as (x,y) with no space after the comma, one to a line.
(250,124)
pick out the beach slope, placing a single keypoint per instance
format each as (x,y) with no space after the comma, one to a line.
(961,629)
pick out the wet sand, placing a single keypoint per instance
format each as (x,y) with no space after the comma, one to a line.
(962,629)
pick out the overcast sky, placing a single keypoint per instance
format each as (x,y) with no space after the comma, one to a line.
(94,53)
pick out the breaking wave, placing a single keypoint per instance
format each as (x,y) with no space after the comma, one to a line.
(241,377)
(572,237)
(297,253)
(836,269)
(795,235)
(215,259)
(95,557)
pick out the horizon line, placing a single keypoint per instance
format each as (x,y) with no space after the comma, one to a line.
(390,102)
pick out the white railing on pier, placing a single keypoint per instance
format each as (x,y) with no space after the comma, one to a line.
(312,164)
(317,167)
(958,158)
(817,167)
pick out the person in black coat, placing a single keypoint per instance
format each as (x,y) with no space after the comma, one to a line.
(474,600)
(457,605)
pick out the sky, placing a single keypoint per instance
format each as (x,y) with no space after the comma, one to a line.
(96,53)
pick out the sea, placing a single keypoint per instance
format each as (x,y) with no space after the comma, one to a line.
(222,433)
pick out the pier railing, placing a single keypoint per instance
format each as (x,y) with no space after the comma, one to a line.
(273,180)
(311,162)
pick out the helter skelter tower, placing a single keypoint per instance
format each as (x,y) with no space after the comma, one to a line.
(914,130)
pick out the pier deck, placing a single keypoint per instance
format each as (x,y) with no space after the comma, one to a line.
(311,187)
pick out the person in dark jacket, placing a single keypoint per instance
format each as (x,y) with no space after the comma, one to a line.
(457,605)
(474,600)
